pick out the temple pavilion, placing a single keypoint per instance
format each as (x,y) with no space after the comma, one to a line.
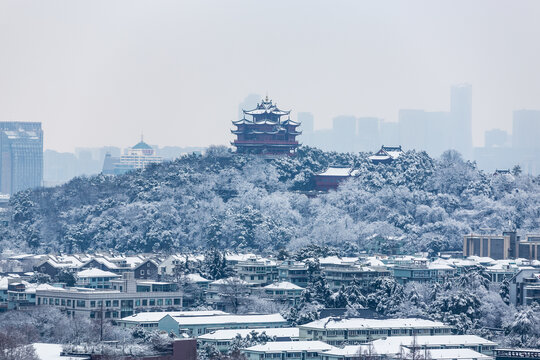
(264,132)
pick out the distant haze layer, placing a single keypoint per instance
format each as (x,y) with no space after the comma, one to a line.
(102,72)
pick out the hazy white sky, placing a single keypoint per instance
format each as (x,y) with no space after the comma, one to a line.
(100,72)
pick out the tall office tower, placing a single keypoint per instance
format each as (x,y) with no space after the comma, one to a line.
(496,138)
(250,102)
(412,129)
(21,161)
(306,119)
(389,134)
(344,131)
(367,134)
(526,129)
(461,119)
(436,141)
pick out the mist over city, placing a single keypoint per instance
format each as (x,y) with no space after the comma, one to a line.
(254,180)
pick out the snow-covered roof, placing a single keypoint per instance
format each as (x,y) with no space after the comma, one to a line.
(230,334)
(436,266)
(452,354)
(373,261)
(93,272)
(346,351)
(230,280)
(196,278)
(229,319)
(241,257)
(379,157)
(284,285)
(360,323)
(335,260)
(281,346)
(393,344)
(152,317)
(336,171)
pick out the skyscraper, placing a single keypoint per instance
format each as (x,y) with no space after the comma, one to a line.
(21,160)
(367,134)
(412,129)
(306,119)
(526,129)
(461,118)
(344,131)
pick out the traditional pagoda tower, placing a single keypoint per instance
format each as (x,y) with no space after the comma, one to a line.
(265,133)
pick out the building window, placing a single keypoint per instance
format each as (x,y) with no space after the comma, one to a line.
(142,272)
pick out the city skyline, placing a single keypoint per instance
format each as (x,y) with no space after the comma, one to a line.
(103,82)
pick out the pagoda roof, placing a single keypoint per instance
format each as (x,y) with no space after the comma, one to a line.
(266,122)
(242,121)
(290,122)
(387,153)
(267,107)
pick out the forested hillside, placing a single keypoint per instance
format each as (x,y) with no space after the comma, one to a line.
(245,203)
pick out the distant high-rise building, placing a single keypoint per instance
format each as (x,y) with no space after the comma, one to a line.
(412,129)
(344,133)
(250,102)
(437,126)
(21,161)
(496,138)
(306,119)
(526,129)
(460,131)
(389,133)
(367,133)
(139,156)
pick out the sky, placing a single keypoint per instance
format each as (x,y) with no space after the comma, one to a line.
(102,72)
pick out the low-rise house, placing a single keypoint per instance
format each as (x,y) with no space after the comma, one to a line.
(419,347)
(21,294)
(95,278)
(199,325)
(147,270)
(198,280)
(524,287)
(295,272)
(222,339)
(126,297)
(283,292)
(423,272)
(331,177)
(505,270)
(386,154)
(152,319)
(169,265)
(282,350)
(257,271)
(359,331)
(53,265)
(225,294)
(394,345)
(343,271)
